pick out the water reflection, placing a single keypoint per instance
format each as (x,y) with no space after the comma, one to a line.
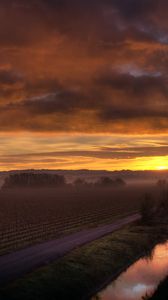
(140,279)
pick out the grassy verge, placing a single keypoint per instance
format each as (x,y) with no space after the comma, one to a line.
(80,273)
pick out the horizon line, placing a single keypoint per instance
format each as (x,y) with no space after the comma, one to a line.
(89,170)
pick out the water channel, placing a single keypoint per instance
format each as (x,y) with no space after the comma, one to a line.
(140,279)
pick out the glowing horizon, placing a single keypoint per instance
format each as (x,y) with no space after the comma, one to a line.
(94,152)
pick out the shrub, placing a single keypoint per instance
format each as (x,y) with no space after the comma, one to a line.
(147,209)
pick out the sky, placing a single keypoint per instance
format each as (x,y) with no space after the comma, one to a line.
(84,84)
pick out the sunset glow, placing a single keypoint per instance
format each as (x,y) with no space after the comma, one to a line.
(83,85)
(162,168)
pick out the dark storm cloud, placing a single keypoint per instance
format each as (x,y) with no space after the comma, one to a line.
(139,113)
(42,86)
(131,9)
(134,93)
(62,101)
(100,20)
(9,77)
(132,89)
(138,83)
(136,96)
(65,49)
(112,19)
(127,8)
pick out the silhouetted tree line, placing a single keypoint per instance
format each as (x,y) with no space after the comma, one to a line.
(108,182)
(34,180)
(101,182)
(151,209)
(147,209)
(31,179)
(163,197)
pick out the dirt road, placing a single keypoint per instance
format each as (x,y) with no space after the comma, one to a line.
(19,263)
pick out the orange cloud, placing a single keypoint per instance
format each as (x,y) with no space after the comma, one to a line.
(83,67)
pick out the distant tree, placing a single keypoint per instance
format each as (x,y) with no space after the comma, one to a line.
(163,196)
(31,179)
(109,182)
(162,185)
(120,182)
(79,182)
(105,182)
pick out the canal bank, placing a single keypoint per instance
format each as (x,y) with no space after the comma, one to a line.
(84,271)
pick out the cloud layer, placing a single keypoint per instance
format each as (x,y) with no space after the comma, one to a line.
(64,60)
(85,67)
(83,151)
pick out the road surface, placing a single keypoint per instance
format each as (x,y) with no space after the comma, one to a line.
(17,264)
